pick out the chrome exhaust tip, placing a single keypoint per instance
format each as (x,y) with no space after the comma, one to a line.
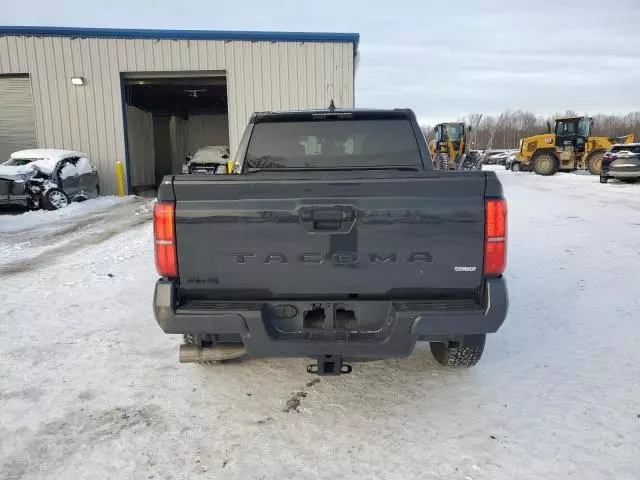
(216,353)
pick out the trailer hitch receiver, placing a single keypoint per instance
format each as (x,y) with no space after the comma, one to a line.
(329,365)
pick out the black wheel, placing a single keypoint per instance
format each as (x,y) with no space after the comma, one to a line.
(594,162)
(603,179)
(191,339)
(461,354)
(55,199)
(628,180)
(516,167)
(545,164)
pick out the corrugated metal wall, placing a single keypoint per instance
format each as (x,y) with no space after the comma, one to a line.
(203,130)
(17,126)
(142,153)
(261,75)
(178,135)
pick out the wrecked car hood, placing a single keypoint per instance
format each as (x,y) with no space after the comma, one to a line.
(16,172)
(43,165)
(212,154)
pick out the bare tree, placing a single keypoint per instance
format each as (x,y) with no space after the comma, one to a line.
(473,120)
(426,131)
(494,129)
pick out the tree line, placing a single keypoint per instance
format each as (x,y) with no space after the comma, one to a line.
(506,130)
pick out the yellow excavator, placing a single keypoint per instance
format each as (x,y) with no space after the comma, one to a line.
(449,145)
(569,147)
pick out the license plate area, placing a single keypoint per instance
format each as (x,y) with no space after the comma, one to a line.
(329,320)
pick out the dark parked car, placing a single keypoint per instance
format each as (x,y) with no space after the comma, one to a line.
(496,157)
(621,162)
(46,178)
(513,164)
(334,238)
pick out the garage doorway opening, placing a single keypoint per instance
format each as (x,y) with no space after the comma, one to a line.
(17,123)
(169,116)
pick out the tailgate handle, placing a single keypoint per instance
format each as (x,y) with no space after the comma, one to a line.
(327,219)
(327,224)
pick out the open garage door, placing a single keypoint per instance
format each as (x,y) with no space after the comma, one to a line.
(173,114)
(17,125)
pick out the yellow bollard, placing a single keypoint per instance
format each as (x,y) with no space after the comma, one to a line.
(230,166)
(120,177)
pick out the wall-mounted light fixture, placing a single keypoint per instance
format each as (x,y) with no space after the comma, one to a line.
(77,80)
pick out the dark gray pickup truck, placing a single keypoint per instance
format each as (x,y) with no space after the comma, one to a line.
(335,239)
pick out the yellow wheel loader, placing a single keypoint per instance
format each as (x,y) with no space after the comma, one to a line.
(449,145)
(569,147)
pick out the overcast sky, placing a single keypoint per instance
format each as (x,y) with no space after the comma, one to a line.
(443,58)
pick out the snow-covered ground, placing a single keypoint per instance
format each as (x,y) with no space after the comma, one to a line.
(91,388)
(42,237)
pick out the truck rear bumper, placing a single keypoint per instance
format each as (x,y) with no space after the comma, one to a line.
(406,322)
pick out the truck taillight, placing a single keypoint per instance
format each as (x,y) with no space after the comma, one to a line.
(164,236)
(495,239)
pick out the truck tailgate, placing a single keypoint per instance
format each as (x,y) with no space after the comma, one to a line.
(283,235)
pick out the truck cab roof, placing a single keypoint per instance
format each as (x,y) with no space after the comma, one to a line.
(355,113)
(564,119)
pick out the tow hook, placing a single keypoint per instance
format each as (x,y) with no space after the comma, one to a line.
(329,365)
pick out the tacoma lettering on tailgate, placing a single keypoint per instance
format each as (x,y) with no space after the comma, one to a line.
(339,258)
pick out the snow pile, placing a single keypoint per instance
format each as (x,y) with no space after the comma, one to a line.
(493,168)
(42,159)
(39,218)
(47,240)
(69,170)
(46,154)
(83,166)
(45,165)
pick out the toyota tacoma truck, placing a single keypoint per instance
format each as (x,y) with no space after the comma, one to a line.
(334,238)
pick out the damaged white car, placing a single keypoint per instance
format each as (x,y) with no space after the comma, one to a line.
(46,178)
(211,159)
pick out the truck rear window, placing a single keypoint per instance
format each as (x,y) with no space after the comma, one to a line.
(333,143)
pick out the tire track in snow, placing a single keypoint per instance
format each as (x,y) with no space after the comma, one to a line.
(123,217)
(51,255)
(40,235)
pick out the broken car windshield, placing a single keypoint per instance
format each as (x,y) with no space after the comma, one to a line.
(17,162)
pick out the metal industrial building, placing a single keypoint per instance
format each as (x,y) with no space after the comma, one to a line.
(150,97)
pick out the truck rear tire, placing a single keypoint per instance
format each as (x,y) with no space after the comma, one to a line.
(191,339)
(594,162)
(545,164)
(461,354)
